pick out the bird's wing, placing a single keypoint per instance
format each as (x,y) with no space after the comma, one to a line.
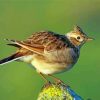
(45,40)
(21,45)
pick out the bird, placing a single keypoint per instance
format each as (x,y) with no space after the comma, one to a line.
(49,52)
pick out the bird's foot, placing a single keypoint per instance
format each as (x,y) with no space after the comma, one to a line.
(57,81)
(47,84)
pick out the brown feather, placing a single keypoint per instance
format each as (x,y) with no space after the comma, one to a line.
(49,40)
(40,41)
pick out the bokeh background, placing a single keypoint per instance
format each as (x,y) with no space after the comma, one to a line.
(20,18)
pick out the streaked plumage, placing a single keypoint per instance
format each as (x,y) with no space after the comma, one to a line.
(49,52)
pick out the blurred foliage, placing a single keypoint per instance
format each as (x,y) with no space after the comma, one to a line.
(20,18)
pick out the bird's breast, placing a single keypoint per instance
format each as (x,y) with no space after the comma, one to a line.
(55,62)
(48,67)
(66,55)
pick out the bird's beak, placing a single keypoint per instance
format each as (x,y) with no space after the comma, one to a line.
(89,39)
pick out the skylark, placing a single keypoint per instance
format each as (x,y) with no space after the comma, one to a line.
(49,52)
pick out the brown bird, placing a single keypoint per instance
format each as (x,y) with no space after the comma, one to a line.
(49,52)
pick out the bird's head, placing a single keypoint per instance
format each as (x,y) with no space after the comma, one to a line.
(77,37)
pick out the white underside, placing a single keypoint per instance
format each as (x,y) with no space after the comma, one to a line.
(43,67)
(50,67)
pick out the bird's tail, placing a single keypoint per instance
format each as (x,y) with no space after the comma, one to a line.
(11,58)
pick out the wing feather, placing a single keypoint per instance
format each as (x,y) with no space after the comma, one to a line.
(43,41)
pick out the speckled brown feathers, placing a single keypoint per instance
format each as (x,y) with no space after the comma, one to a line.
(47,39)
(44,40)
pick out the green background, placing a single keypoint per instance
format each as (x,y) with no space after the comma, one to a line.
(20,18)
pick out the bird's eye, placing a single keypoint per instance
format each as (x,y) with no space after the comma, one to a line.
(78,37)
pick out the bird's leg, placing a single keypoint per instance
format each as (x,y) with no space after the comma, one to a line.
(58,81)
(44,78)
